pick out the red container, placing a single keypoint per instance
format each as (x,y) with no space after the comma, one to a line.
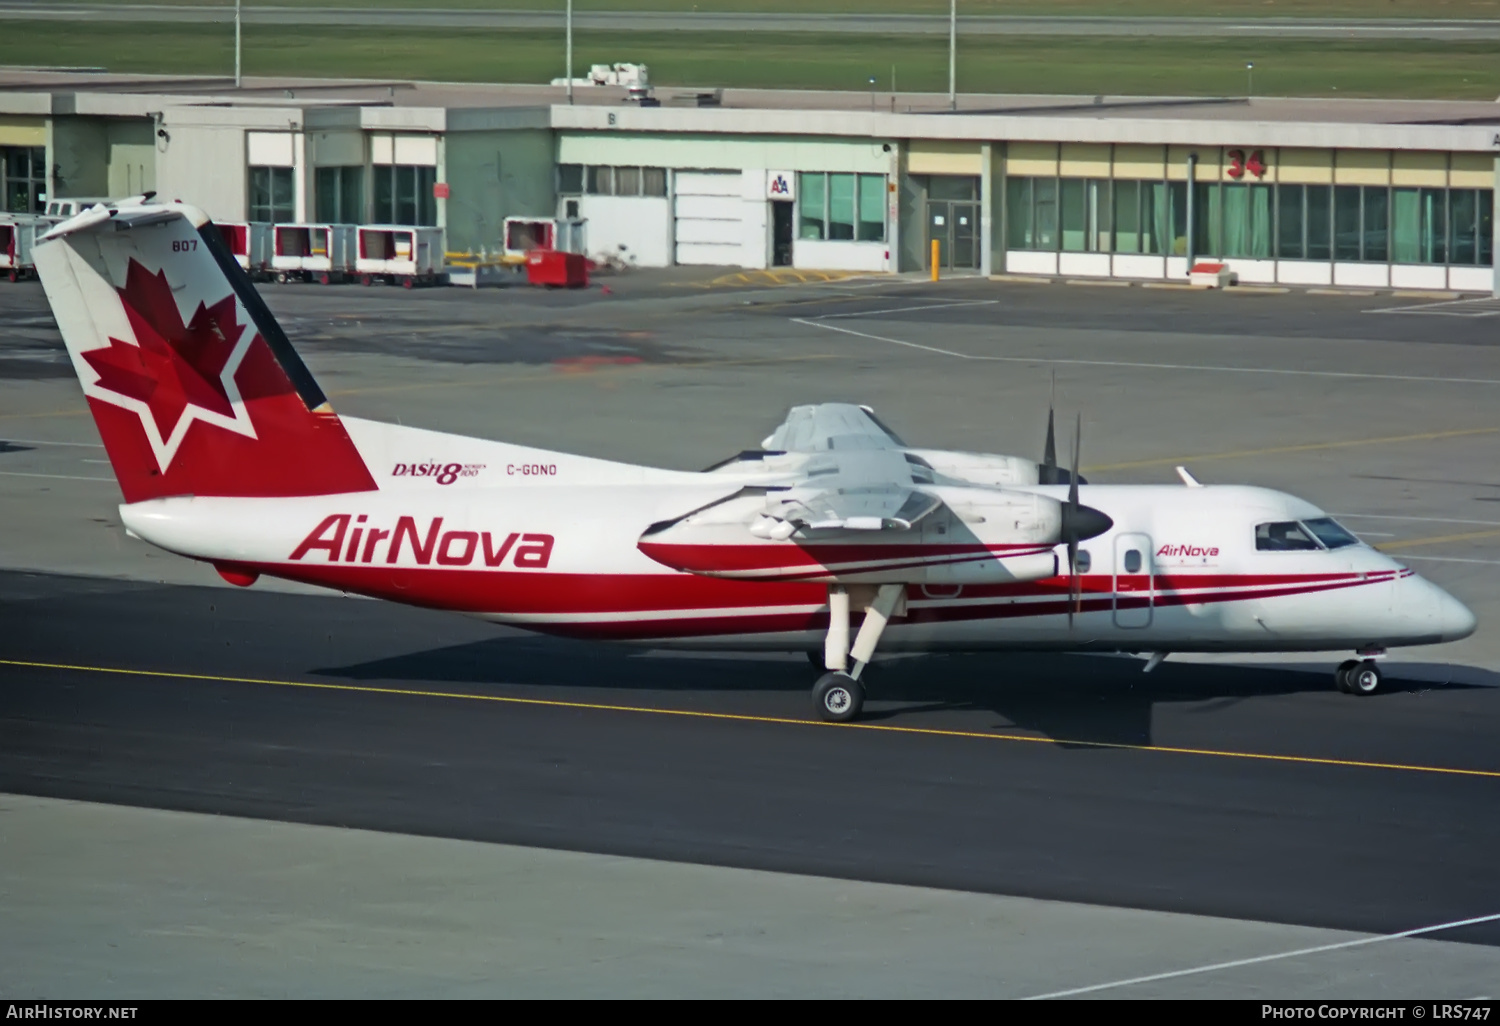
(553,269)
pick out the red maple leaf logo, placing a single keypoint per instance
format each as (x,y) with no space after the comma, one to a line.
(175,365)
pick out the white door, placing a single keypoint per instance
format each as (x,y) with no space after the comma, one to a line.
(707,226)
(1135,589)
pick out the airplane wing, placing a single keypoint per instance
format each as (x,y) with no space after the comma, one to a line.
(872,509)
(858,489)
(826,427)
(856,479)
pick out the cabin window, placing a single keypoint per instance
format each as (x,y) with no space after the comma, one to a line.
(1082,562)
(1330,532)
(1133,561)
(1284,536)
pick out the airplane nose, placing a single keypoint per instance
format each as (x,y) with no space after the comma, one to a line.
(1455,619)
(1452,619)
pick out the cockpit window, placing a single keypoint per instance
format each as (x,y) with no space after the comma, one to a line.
(1285,536)
(1330,532)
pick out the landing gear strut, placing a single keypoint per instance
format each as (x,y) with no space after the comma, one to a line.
(1359,677)
(838,695)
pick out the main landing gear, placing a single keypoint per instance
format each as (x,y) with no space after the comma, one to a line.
(1358,677)
(838,695)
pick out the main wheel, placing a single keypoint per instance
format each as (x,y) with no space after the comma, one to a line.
(1341,675)
(1365,678)
(838,697)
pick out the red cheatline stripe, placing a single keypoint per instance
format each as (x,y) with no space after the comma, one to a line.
(541,593)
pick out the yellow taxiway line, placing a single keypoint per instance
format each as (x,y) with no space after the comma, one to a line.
(746,718)
(1167,461)
(1435,540)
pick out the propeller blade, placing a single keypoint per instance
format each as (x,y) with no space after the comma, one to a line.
(1072,578)
(1073,476)
(1049,450)
(1074,520)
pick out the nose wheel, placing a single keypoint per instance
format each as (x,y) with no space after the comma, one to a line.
(1359,677)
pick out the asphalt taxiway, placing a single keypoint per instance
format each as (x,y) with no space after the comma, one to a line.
(1001,825)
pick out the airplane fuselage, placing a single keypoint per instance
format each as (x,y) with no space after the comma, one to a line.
(1179,571)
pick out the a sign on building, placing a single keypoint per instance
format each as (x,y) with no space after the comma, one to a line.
(1242,161)
(781,185)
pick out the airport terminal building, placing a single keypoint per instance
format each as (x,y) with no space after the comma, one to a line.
(1313,192)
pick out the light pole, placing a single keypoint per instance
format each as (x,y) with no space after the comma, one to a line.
(953,54)
(1249,79)
(569,48)
(872,94)
(236,44)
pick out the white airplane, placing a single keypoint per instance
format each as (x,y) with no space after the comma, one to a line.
(227,452)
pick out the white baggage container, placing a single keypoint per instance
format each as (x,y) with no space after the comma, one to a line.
(523,234)
(18,233)
(250,242)
(400,254)
(312,252)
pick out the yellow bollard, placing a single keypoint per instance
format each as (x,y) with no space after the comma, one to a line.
(935,259)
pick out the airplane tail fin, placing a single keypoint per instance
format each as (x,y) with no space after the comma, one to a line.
(193,385)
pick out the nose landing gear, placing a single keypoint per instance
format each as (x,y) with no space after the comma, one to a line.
(1359,677)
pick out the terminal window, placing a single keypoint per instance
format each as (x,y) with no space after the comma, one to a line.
(272,195)
(601,180)
(341,194)
(23,179)
(403,194)
(1345,223)
(841,206)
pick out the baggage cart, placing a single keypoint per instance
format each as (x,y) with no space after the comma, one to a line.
(18,234)
(400,254)
(524,234)
(312,252)
(250,242)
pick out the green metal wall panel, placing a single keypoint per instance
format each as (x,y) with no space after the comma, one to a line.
(492,176)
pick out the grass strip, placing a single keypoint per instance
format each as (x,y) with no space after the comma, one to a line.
(966,8)
(1050,64)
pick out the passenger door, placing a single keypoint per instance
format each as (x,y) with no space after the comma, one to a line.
(1134,581)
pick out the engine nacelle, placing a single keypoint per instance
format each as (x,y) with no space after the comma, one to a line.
(984,469)
(976,536)
(844,557)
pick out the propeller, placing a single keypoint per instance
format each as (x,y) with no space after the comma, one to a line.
(1079,523)
(1048,472)
(1075,586)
